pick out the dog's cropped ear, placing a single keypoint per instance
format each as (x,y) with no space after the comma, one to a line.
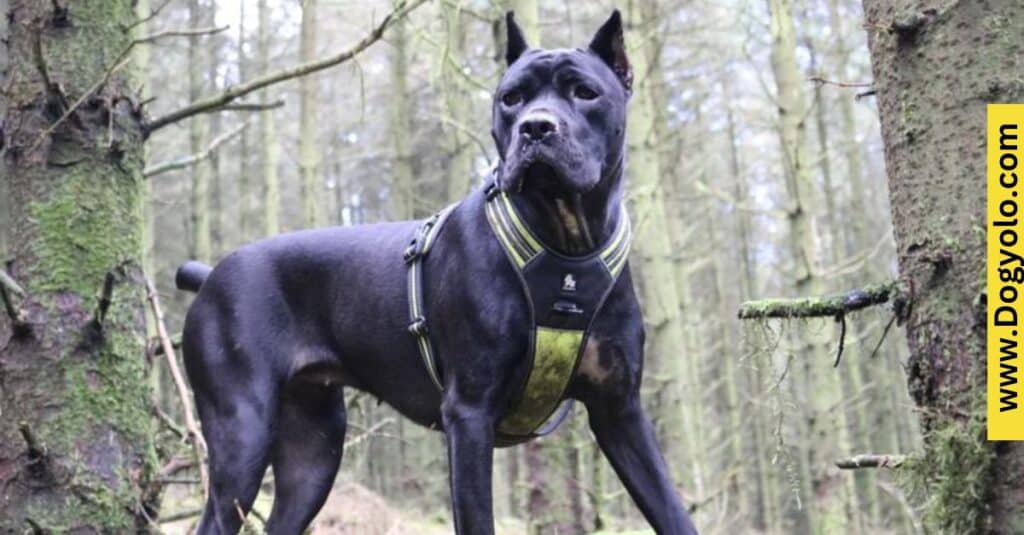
(516,43)
(610,45)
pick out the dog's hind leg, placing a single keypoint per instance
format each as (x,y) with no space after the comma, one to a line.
(310,437)
(238,438)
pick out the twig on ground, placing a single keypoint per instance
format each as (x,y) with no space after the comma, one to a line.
(233,92)
(191,426)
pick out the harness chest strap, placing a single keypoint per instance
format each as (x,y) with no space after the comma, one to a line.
(564,293)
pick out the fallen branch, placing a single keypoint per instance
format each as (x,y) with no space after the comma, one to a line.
(179,382)
(810,307)
(870,460)
(9,287)
(233,92)
(180,515)
(193,159)
(10,284)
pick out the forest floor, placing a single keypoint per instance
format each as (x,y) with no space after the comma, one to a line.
(351,509)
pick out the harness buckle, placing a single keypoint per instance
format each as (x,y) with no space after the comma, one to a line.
(491,191)
(418,327)
(412,252)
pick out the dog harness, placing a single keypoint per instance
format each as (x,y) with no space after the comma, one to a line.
(565,294)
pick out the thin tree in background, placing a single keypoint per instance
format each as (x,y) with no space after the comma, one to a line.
(309,152)
(269,148)
(199,203)
(454,112)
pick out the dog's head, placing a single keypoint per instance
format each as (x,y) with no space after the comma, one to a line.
(559,116)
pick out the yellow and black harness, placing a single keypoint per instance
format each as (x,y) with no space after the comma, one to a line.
(565,294)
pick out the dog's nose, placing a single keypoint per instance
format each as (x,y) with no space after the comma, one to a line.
(537,128)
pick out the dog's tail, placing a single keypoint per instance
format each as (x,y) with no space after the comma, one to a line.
(191,276)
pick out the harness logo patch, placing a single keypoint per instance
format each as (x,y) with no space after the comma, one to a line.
(568,283)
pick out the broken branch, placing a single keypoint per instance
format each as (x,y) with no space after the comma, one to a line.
(822,81)
(870,460)
(193,159)
(810,307)
(233,92)
(194,436)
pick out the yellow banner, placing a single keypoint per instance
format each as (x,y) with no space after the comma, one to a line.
(1005,256)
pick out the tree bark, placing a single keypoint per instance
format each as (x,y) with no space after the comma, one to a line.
(76,436)
(934,71)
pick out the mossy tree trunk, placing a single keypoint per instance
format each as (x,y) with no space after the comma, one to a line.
(76,437)
(933,73)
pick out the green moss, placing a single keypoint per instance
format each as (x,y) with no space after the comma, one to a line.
(951,479)
(87,227)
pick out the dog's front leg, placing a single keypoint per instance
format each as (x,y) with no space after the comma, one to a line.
(625,436)
(470,434)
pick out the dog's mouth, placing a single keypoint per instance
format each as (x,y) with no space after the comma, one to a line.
(537,170)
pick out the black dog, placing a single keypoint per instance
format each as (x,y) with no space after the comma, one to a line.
(279,327)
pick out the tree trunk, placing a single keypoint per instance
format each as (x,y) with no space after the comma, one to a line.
(403,185)
(933,73)
(245,195)
(268,136)
(455,110)
(309,165)
(76,436)
(199,202)
(803,246)
(655,258)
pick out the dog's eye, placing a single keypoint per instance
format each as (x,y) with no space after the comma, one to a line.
(512,98)
(583,92)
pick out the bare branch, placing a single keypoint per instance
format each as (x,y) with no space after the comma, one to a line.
(822,81)
(187,32)
(809,307)
(151,16)
(231,93)
(253,106)
(193,159)
(9,287)
(871,460)
(198,446)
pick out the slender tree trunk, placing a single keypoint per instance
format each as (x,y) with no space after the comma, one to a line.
(309,156)
(403,186)
(933,73)
(268,135)
(803,245)
(455,111)
(245,194)
(76,436)
(199,201)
